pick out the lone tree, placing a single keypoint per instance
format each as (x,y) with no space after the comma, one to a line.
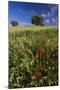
(14,23)
(38,20)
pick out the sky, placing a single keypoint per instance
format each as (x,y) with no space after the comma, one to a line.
(22,12)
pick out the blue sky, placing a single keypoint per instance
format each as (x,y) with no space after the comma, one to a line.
(23,11)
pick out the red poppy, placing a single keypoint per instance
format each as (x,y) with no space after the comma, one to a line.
(39,52)
(36,75)
(41,67)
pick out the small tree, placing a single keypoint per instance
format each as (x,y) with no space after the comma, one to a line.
(14,23)
(37,20)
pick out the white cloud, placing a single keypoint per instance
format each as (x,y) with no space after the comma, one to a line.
(47,20)
(44,15)
(48,14)
(53,20)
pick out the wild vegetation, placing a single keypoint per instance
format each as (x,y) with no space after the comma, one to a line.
(33,56)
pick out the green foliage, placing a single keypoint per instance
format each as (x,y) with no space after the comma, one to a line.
(33,58)
(14,23)
(38,20)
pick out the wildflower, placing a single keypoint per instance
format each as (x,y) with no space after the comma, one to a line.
(44,77)
(47,62)
(41,67)
(39,52)
(36,75)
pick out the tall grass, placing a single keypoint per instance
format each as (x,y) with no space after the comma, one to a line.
(33,57)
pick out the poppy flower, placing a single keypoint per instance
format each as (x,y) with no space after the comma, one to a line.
(39,52)
(41,67)
(36,75)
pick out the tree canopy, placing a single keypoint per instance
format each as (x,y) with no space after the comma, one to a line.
(38,20)
(14,23)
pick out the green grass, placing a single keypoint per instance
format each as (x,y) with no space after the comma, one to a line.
(33,27)
(33,56)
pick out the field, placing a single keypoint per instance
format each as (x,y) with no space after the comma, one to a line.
(33,56)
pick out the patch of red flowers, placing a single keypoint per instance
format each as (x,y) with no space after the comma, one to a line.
(41,67)
(39,52)
(36,75)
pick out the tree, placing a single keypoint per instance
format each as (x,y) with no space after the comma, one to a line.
(38,20)
(14,23)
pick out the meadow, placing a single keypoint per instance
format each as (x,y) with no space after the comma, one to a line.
(33,56)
